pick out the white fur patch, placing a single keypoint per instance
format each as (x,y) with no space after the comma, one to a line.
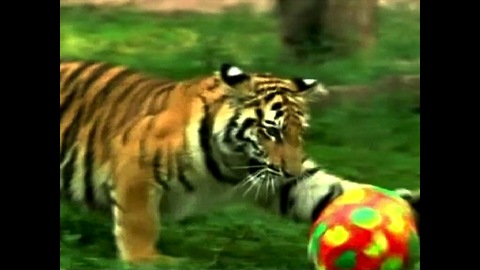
(308,192)
(320,89)
(234,71)
(309,81)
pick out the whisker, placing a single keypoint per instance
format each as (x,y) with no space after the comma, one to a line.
(246,180)
(250,178)
(253,180)
(259,187)
(250,187)
(267,186)
(247,167)
(273,183)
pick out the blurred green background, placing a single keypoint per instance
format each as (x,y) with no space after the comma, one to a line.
(374,139)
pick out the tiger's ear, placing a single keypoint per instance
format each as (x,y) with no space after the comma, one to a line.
(233,75)
(309,86)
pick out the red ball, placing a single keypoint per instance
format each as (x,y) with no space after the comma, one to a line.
(365,229)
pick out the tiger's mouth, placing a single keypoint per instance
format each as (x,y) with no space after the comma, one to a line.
(254,166)
(262,178)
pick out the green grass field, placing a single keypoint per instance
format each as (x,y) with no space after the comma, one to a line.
(375,141)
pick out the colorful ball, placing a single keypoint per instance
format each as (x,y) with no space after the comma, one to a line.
(365,229)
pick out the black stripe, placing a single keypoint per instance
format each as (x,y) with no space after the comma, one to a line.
(270,122)
(104,92)
(134,110)
(286,202)
(166,90)
(284,89)
(170,164)
(275,133)
(259,114)
(136,102)
(96,74)
(182,178)
(68,100)
(70,79)
(264,75)
(67,174)
(270,97)
(70,134)
(334,191)
(271,83)
(277,106)
(231,126)
(156,166)
(253,103)
(279,114)
(124,95)
(247,123)
(89,162)
(127,131)
(143,149)
(205,133)
(66,104)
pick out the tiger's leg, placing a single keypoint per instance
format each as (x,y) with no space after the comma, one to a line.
(136,216)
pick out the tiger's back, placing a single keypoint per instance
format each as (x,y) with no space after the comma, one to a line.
(100,102)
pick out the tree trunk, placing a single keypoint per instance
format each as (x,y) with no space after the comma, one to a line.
(301,25)
(351,24)
(315,26)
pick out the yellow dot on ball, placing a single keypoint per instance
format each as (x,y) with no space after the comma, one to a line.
(366,217)
(351,197)
(336,236)
(397,225)
(392,209)
(378,246)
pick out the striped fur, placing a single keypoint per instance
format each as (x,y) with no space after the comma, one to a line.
(144,146)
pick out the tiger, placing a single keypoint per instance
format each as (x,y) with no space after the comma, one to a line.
(152,149)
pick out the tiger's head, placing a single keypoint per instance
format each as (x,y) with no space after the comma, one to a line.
(270,116)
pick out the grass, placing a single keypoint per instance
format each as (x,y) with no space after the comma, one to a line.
(375,141)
